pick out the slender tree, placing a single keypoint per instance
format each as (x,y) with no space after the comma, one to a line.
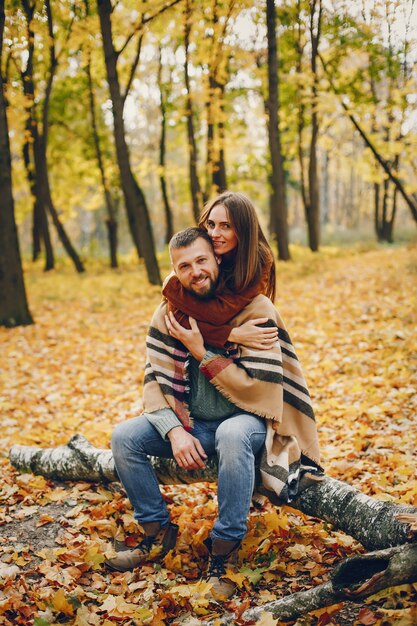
(217,76)
(14,310)
(169,225)
(40,227)
(313,212)
(135,202)
(39,137)
(195,188)
(278,201)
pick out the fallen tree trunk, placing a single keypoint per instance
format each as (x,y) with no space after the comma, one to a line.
(353,579)
(374,523)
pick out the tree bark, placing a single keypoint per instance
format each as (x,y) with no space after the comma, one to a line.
(377,216)
(209,190)
(219,165)
(313,215)
(278,197)
(14,310)
(375,523)
(136,207)
(195,188)
(353,579)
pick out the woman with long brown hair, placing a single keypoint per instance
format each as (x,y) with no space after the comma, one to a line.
(246,269)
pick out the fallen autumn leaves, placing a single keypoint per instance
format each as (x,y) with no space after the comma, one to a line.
(80,370)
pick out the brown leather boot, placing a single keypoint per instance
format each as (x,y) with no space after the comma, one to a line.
(129,559)
(223,557)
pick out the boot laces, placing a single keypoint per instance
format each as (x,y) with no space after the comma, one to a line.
(217,566)
(146,544)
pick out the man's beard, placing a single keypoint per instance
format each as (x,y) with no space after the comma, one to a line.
(207,295)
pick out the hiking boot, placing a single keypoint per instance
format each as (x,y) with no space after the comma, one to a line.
(154,535)
(223,557)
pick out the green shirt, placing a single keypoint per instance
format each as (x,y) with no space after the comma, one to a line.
(205,401)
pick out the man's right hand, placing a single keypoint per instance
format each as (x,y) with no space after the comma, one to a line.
(188,451)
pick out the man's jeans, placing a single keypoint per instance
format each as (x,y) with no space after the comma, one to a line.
(236,440)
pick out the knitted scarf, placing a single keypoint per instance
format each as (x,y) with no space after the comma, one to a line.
(268,383)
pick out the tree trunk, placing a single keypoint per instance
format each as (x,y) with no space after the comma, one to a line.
(169,226)
(219,165)
(390,224)
(45,199)
(111,222)
(210,138)
(136,207)
(385,200)
(40,226)
(313,215)
(325,189)
(42,188)
(40,230)
(195,188)
(278,196)
(353,579)
(377,212)
(14,310)
(375,523)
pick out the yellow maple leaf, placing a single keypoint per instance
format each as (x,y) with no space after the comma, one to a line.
(61,604)
(93,557)
(274,521)
(236,577)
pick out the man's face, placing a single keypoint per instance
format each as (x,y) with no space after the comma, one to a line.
(197,268)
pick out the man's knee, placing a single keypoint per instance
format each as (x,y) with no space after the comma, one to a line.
(119,437)
(235,433)
(228,436)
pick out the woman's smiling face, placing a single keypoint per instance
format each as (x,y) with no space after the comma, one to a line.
(221,230)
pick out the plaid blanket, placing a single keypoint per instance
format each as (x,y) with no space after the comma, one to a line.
(268,383)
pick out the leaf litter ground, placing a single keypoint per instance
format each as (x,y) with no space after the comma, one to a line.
(352,317)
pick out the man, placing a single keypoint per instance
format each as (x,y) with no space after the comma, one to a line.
(199,403)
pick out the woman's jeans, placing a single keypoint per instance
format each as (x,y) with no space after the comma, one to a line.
(236,440)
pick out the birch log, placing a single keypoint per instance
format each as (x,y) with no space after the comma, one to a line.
(353,579)
(376,524)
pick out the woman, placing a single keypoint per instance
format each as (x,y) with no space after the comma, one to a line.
(247,269)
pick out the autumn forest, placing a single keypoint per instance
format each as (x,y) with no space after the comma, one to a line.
(119,120)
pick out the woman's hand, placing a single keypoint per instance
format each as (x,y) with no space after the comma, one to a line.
(251,335)
(191,338)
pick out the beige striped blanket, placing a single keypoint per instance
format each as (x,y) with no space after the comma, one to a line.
(268,383)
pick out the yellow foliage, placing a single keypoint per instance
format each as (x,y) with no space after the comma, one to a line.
(61,604)
(352,317)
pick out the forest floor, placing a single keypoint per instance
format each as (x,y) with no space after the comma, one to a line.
(352,317)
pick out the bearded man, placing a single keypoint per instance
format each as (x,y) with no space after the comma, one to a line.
(201,401)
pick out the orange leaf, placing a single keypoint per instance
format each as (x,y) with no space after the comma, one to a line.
(367,617)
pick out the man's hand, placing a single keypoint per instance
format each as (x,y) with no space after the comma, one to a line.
(188,451)
(251,335)
(192,339)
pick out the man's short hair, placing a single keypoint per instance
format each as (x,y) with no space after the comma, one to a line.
(186,237)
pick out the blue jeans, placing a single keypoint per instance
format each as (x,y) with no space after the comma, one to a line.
(236,441)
